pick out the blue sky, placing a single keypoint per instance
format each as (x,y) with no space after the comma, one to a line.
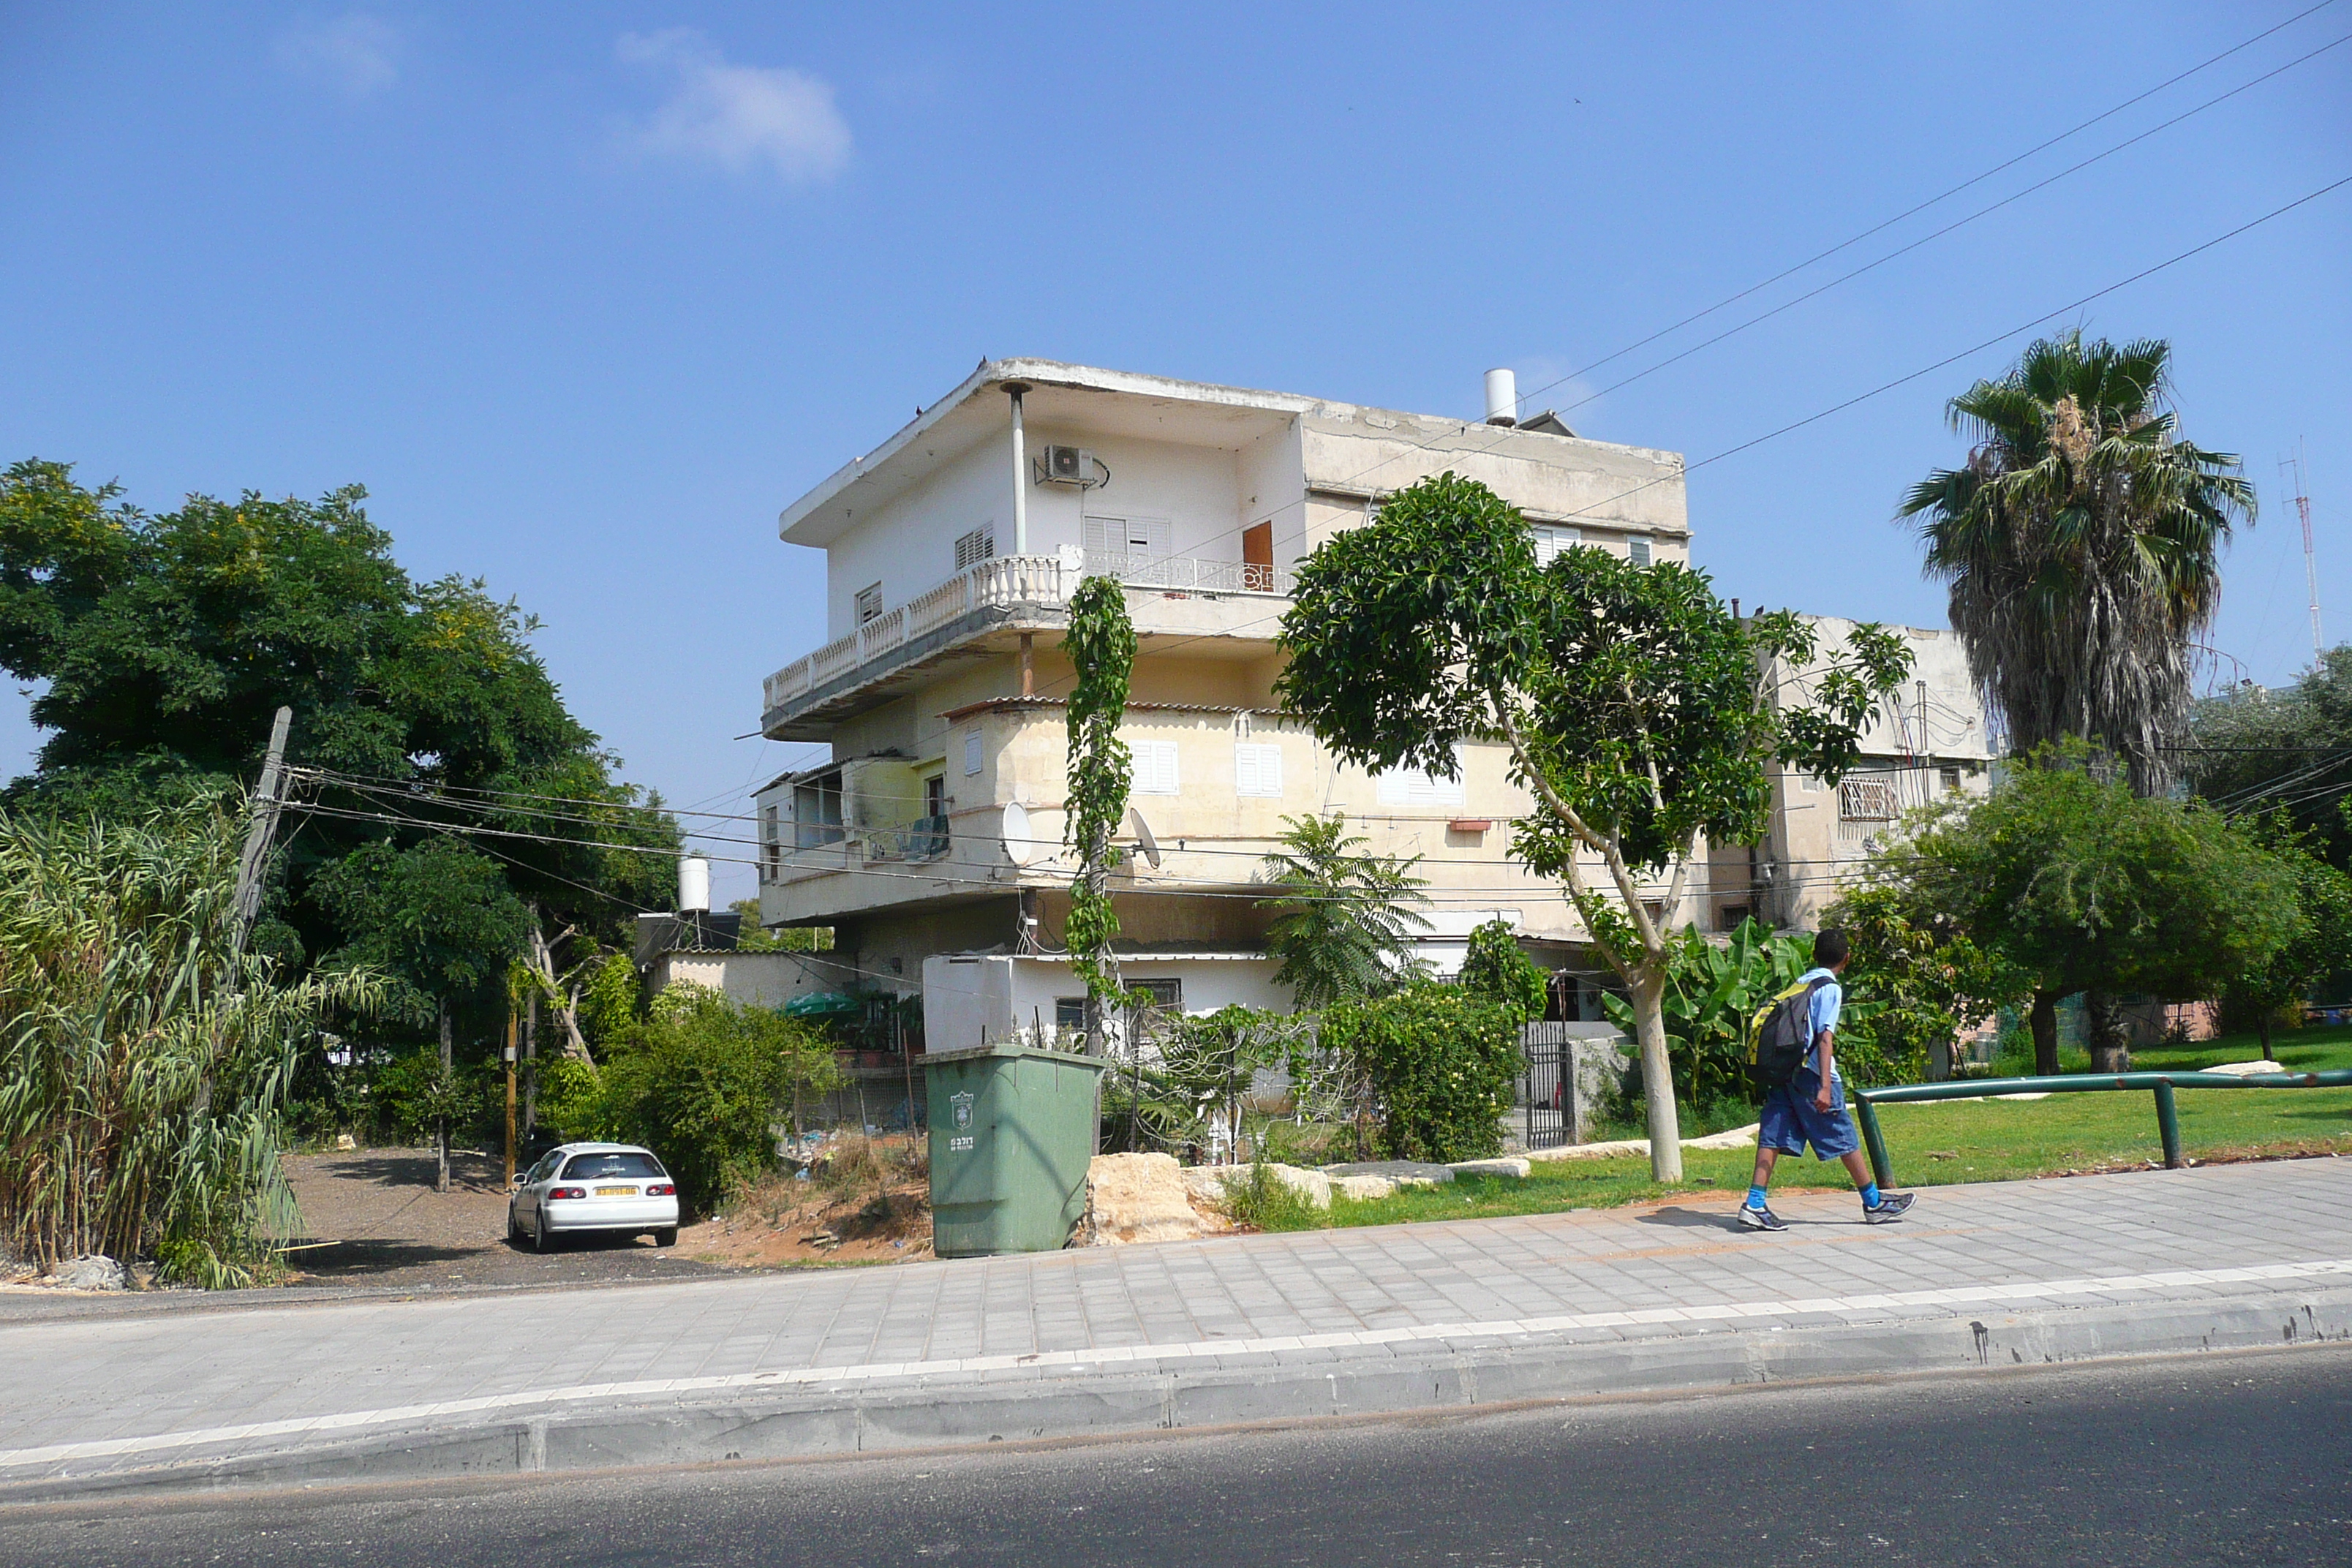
(584,294)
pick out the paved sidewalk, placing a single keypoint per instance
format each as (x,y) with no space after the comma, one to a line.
(1392,1317)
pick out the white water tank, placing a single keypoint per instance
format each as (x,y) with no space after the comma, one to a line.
(693,885)
(1502,397)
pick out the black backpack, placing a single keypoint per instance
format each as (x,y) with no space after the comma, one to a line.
(1779,1035)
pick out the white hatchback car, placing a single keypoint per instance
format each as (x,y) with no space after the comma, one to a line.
(616,1188)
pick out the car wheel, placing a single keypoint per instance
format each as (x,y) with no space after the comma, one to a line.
(666,1236)
(514,1231)
(540,1240)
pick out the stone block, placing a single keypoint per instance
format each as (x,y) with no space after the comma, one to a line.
(1209,1183)
(1136,1198)
(1509,1166)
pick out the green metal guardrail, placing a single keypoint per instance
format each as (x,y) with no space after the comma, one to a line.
(2167,1120)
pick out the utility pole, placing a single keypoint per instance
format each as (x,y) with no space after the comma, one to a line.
(268,799)
(441,1174)
(510,1091)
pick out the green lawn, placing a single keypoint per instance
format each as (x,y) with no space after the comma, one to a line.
(1971,1141)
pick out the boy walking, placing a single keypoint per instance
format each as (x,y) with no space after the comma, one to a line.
(1811,1107)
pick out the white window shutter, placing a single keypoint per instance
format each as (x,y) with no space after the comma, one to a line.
(1257,771)
(971,753)
(1155,767)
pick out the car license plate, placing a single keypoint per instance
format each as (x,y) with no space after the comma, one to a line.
(617,1191)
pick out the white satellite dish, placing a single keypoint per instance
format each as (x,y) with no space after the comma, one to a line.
(1143,839)
(1019,847)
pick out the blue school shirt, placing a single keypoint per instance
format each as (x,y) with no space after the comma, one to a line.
(1826,1003)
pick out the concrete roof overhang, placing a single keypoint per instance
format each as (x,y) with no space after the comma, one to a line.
(1076,399)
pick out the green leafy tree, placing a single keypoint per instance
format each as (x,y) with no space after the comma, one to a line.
(2082,544)
(145,1065)
(162,643)
(2287,750)
(2083,885)
(702,1082)
(1923,981)
(2321,948)
(1101,645)
(1638,712)
(1442,1063)
(1498,969)
(1344,921)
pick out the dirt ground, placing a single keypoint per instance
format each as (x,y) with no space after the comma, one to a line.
(370,1217)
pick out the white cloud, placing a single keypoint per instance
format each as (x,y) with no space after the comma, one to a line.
(355,53)
(738,117)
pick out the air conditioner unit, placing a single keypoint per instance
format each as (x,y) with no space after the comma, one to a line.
(1067,465)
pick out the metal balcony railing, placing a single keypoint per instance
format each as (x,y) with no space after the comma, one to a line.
(1044,582)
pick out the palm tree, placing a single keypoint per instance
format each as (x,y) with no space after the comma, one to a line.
(2081,546)
(2079,543)
(1344,921)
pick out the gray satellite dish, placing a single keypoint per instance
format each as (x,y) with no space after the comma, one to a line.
(1019,847)
(1144,837)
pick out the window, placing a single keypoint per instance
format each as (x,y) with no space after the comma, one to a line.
(1070,1012)
(1257,770)
(1866,800)
(1155,767)
(1134,537)
(869,603)
(978,545)
(1637,550)
(1731,917)
(1167,995)
(613,1162)
(816,812)
(1402,788)
(1950,779)
(935,796)
(1551,539)
(971,753)
(772,839)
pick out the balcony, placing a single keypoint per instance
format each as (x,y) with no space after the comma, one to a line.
(1005,588)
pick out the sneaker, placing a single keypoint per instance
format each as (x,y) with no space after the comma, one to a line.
(1761,1218)
(1890,1207)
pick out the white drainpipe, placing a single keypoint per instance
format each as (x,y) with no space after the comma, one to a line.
(1020,473)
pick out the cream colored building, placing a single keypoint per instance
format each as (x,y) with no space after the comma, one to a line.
(1927,742)
(931,839)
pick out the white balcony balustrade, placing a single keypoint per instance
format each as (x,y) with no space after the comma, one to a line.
(1037,582)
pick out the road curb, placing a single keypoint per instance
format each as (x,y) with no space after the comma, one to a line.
(850,1419)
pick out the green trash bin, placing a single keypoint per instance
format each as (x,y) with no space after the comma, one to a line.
(1011,1129)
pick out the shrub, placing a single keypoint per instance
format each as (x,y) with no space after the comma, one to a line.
(1443,1062)
(1265,1202)
(701,1083)
(1499,970)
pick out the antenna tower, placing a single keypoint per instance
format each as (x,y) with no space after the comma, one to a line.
(2296,466)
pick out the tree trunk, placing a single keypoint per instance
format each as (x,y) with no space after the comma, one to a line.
(1648,991)
(2110,1041)
(531,1066)
(2045,1034)
(441,1175)
(2262,1027)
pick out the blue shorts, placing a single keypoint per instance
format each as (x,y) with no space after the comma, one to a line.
(1790,1119)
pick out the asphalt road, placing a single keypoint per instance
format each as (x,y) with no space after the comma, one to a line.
(2217,1459)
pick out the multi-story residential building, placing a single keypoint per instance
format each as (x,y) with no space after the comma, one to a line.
(931,839)
(1925,742)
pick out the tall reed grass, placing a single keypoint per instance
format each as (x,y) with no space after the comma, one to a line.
(143,1065)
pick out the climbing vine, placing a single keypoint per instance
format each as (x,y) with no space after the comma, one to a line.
(1101,646)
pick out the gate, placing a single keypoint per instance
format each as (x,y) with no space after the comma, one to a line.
(1544,1088)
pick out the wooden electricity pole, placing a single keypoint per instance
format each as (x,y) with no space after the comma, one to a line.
(510,1093)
